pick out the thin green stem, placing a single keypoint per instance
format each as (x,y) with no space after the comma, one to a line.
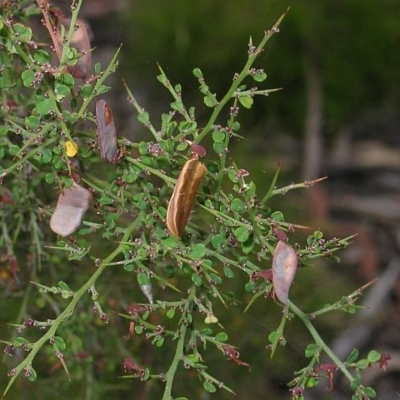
(69,309)
(179,346)
(253,54)
(319,341)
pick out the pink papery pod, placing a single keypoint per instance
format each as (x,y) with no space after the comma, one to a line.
(284,265)
(72,204)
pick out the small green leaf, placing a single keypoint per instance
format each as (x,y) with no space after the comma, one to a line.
(143,278)
(23,33)
(353,356)
(198,251)
(28,77)
(248,245)
(217,241)
(373,356)
(143,117)
(312,382)
(171,313)
(61,91)
(59,342)
(49,178)
(41,56)
(196,279)
(219,147)
(218,136)
(138,329)
(249,287)
(311,350)
(221,337)
(215,278)
(143,148)
(277,216)
(363,364)
(19,341)
(182,146)
(177,105)
(242,234)
(246,101)
(32,122)
(209,387)
(106,200)
(237,205)
(31,374)
(260,77)
(66,79)
(69,117)
(370,392)
(47,156)
(44,106)
(209,101)
(273,337)
(197,73)
(228,272)
(13,150)
(162,78)
(85,91)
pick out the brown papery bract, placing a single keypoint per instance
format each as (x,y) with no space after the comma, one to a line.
(106,132)
(184,195)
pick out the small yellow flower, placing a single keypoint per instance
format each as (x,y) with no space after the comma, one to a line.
(71,148)
(211,319)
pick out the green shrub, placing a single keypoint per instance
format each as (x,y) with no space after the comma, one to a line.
(189,274)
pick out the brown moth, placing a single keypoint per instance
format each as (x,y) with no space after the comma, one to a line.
(106,132)
(183,197)
(284,265)
(72,204)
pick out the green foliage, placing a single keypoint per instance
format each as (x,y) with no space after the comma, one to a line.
(233,233)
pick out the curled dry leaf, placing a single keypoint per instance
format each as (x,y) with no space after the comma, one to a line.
(284,265)
(183,197)
(72,204)
(106,132)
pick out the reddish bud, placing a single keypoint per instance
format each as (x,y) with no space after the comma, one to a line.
(384,361)
(280,235)
(233,355)
(198,150)
(136,309)
(132,367)
(327,369)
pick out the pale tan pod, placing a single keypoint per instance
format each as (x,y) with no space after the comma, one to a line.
(184,195)
(72,204)
(284,265)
